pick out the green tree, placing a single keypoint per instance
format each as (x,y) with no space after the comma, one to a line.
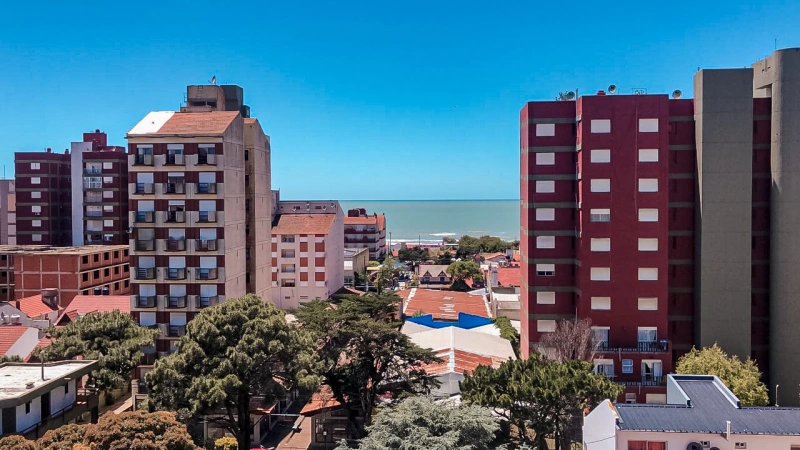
(114,338)
(469,246)
(362,352)
(445,259)
(418,423)
(12,358)
(373,264)
(386,275)
(413,255)
(17,443)
(742,377)
(541,398)
(461,271)
(239,349)
(64,437)
(507,331)
(139,430)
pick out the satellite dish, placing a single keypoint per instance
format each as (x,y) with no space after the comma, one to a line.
(676,94)
(612,89)
(570,95)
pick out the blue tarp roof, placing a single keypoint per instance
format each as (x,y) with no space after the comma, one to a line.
(465,321)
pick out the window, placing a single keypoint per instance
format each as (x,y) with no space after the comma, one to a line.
(739,445)
(66,388)
(605,366)
(546,298)
(36,194)
(630,397)
(647,334)
(287,283)
(108,194)
(36,237)
(35,166)
(648,155)
(108,165)
(601,244)
(627,367)
(96,274)
(246,155)
(107,180)
(648,125)
(545,186)
(545,270)
(600,273)
(601,126)
(108,223)
(36,223)
(287,239)
(600,215)
(36,210)
(603,303)
(648,303)
(545,326)
(600,156)
(545,242)
(85,276)
(28,408)
(648,274)
(648,184)
(36,180)
(106,255)
(545,214)
(96,257)
(601,185)
(85,260)
(116,270)
(545,129)
(106,272)
(545,159)
(648,215)
(648,244)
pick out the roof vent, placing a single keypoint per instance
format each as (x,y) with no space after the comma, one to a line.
(29,385)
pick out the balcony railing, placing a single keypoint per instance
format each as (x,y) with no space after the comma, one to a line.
(175,159)
(207,216)
(205,302)
(206,274)
(92,239)
(362,231)
(206,245)
(144,160)
(642,347)
(94,213)
(288,270)
(206,159)
(176,302)
(145,245)
(93,197)
(145,273)
(176,245)
(145,188)
(92,184)
(176,274)
(286,254)
(647,380)
(92,171)
(176,330)
(176,216)
(174,188)
(364,240)
(146,301)
(206,188)
(145,216)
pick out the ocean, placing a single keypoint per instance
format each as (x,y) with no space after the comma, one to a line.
(431,220)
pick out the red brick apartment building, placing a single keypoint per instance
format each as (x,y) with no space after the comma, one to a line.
(89,270)
(73,198)
(660,218)
(362,230)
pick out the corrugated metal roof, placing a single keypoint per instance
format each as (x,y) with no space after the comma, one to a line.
(710,409)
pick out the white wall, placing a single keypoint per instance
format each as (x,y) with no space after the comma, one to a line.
(681,440)
(26,420)
(76,170)
(599,428)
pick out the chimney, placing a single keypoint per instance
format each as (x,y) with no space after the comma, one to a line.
(495,281)
(727,430)
(49,150)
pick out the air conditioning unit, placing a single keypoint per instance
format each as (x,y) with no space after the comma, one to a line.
(694,446)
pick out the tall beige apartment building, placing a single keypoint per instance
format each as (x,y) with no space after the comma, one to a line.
(200,209)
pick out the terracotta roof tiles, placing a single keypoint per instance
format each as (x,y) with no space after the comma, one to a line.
(509,276)
(9,335)
(443,304)
(319,224)
(214,122)
(85,304)
(34,306)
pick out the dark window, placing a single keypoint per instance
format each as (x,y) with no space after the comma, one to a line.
(106,255)
(28,408)
(85,260)
(97,258)
(4,257)
(125,268)
(116,286)
(125,253)
(4,290)
(85,276)
(674,242)
(247,278)
(96,274)
(66,388)
(116,270)
(116,254)
(86,292)
(106,272)
(246,155)
(126,283)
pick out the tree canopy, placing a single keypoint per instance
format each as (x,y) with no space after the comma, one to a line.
(418,423)
(136,430)
(114,338)
(572,339)
(742,377)
(445,258)
(540,396)
(413,254)
(362,352)
(386,275)
(507,331)
(469,246)
(463,270)
(230,353)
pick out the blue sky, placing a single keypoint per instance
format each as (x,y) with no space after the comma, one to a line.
(363,100)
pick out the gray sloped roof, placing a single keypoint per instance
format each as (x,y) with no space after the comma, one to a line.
(707,412)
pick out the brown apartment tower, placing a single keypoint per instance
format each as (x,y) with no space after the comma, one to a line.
(200,209)
(669,223)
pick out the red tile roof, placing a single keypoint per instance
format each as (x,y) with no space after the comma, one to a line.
(303,224)
(461,362)
(321,399)
(381,222)
(493,255)
(361,220)
(84,304)
(34,306)
(214,122)
(509,276)
(443,304)
(9,335)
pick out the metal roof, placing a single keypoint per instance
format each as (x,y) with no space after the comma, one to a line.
(710,405)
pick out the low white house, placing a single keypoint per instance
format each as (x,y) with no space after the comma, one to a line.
(700,414)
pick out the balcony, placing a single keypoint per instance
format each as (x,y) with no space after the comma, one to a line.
(205,302)
(92,171)
(143,160)
(93,239)
(176,217)
(162,354)
(288,270)
(644,381)
(176,302)
(176,274)
(176,245)
(288,254)
(207,216)
(145,216)
(93,197)
(174,188)
(145,245)
(91,183)
(361,231)
(145,273)
(642,347)
(146,301)
(148,359)
(145,188)
(364,240)
(206,274)
(206,245)
(177,330)
(206,188)
(174,159)
(206,159)
(94,213)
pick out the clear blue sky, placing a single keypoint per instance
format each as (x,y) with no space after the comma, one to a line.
(363,100)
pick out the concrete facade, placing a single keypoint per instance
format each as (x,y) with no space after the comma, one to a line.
(355,261)
(8,213)
(363,230)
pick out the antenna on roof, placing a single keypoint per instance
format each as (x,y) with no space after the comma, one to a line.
(214,80)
